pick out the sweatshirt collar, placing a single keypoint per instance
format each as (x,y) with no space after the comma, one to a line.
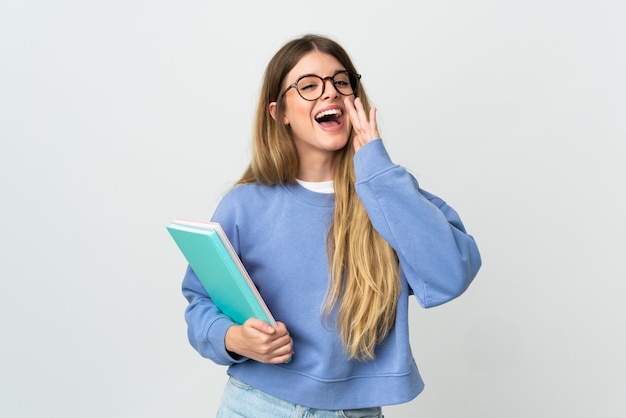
(310,197)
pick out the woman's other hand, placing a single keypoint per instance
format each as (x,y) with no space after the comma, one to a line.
(257,340)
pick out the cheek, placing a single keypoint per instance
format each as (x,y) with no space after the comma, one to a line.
(298,114)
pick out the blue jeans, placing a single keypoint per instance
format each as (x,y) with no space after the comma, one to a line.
(243,401)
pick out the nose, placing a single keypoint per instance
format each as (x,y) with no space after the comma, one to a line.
(329,93)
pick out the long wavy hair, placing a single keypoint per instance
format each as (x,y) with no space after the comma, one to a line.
(364,283)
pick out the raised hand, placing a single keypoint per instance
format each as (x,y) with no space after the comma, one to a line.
(364,125)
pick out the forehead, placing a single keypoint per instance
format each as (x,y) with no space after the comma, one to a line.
(317,63)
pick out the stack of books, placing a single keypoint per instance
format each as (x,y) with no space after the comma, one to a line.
(220,270)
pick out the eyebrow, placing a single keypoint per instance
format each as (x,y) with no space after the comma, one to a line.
(316,75)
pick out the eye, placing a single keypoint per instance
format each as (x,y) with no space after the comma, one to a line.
(342,80)
(309,83)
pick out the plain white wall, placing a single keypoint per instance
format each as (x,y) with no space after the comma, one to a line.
(117,116)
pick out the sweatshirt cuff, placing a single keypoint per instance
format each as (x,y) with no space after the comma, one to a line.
(370,160)
(217,334)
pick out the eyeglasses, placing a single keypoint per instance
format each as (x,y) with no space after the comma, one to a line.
(311,87)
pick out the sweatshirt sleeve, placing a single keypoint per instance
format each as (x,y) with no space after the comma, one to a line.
(437,256)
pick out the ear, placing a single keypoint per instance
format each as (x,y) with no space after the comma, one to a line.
(272,109)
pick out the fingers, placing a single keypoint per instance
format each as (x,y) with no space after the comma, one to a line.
(283,345)
(364,124)
(257,340)
(278,348)
(260,325)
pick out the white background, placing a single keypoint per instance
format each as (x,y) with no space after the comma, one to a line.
(117,116)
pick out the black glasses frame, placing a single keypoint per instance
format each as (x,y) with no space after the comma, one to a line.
(354,81)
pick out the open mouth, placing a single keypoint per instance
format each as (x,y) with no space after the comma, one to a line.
(329,117)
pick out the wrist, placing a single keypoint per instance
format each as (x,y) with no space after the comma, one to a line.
(229,342)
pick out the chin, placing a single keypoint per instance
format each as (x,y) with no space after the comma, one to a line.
(338,145)
(339,139)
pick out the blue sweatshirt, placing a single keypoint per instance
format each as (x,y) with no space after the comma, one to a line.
(280,234)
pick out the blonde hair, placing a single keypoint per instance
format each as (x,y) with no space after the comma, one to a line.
(364,284)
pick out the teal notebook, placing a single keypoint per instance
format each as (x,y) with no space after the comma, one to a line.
(212,257)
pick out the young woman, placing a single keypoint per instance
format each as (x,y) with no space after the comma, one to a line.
(336,238)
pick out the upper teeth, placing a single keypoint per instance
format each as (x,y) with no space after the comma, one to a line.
(337,112)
